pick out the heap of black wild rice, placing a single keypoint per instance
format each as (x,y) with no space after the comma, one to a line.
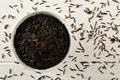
(41,41)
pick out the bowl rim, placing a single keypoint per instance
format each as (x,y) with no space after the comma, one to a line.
(28,16)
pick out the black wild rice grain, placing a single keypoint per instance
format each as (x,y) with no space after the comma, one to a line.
(89,78)
(65,66)
(21,5)
(82,76)
(41,3)
(21,74)
(74,58)
(72,4)
(113,79)
(73,69)
(6,39)
(78,74)
(108,3)
(2,78)
(97,57)
(10,76)
(36,3)
(3,17)
(5,77)
(58,74)
(69,6)
(110,15)
(15,74)
(116,1)
(47,76)
(3,56)
(112,66)
(87,0)
(95,40)
(47,6)
(58,78)
(65,62)
(78,5)
(112,73)
(6,34)
(32,76)
(82,38)
(3,41)
(58,8)
(116,15)
(44,1)
(38,72)
(6,47)
(59,11)
(92,2)
(94,8)
(95,62)
(74,37)
(17,11)
(86,55)
(116,78)
(95,25)
(117,54)
(66,1)
(94,54)
(7,50)
(6,26)
(72,77)
(11,6)
(77,51)
(112,18)
(64,71)
(74,19)
(119,60)
(60,70)
(10,36)
(15,5)
(70,56)
(70,15)
(10,71)
(118,46)
(16,62)
(54,4)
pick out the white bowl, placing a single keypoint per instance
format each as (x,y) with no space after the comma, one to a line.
(24,18)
